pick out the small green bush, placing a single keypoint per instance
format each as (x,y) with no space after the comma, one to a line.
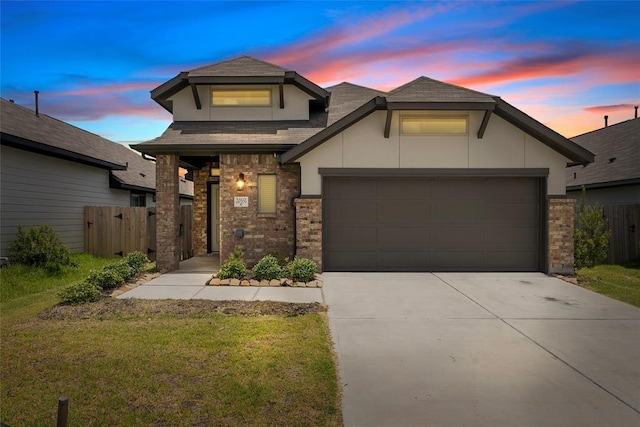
(591,236)
(236,255)
(137,261)
(267,268)
(105,279)
(79,293)
(232,269)
(122,269)
(40,247)
(301,269)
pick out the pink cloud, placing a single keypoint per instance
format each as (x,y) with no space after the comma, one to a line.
(605,109)
(615,65)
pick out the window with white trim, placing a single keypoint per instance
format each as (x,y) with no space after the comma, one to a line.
(431,125)
(241,97)
(267,194)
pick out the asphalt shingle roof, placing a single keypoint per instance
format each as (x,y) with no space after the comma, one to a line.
(620,142)
(23,123)
(346,97)
(424,89)
(243,66)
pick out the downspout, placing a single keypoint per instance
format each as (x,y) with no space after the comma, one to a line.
(298,172)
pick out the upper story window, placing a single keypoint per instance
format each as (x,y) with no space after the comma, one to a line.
(241,97)
(429,125)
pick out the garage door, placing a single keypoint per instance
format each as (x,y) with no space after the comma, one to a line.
(431,224)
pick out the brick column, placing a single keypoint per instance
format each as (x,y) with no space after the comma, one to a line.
(200,209)
(309,229)
(560,249)
(167,213)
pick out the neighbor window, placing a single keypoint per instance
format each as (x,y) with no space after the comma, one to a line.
(267,194)
(138,199)
(241,97)
(433,125)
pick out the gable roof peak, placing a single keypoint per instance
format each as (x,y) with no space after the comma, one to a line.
(244,65)
(425,89)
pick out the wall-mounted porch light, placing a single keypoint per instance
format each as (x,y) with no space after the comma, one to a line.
(240,183)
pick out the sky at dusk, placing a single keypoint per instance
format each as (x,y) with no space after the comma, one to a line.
(566,64)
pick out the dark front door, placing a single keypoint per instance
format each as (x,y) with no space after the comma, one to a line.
(431,224)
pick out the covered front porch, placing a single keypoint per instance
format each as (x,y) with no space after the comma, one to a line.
(228,212)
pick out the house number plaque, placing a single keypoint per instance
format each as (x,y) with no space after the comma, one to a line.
(240,202)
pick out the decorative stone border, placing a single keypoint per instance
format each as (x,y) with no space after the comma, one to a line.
(317,283)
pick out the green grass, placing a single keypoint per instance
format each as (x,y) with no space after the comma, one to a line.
(20,280)
(157,368)
(621,282)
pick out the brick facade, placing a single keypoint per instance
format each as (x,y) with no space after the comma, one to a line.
(168,208)
(200,211)
(263,233)
(560,249)
(309,229)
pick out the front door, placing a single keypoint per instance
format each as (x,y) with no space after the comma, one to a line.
(214,212)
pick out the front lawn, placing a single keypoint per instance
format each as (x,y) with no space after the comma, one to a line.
(173,363)
(621,282)
(20,280)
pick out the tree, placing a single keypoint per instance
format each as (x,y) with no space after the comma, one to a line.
(591,235)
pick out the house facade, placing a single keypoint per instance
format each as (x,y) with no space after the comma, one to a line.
(50,170)
(426,177)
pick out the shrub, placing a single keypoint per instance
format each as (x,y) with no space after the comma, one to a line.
(301,269)
(79,293)
(137,261)
(122,269)
(40,247)
(267,268)
(105,279)
(591,237)
(232,269)
(236,255)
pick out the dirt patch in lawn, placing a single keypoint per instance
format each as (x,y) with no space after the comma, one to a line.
(110,308)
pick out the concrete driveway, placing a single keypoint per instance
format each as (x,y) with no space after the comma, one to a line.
(482,349)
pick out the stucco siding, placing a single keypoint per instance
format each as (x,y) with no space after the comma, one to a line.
(36,190)
(296,105)
(363,146)
(538,155)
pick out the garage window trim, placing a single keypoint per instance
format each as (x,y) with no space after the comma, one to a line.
(267,194)
(255,97)
(434,125)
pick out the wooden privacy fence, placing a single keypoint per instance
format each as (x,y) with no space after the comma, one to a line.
(111,231)
(624,223)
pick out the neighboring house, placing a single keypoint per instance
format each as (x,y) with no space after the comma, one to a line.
(50,170)
(426,177)
(614,177)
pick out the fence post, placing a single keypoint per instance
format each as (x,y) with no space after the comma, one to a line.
(63,411)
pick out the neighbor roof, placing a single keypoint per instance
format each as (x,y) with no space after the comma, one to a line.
(617,150)
(43,134)
(21,127)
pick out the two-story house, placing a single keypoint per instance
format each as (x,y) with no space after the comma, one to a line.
(426,177)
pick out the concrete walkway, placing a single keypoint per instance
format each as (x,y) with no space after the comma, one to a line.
(189,282)
(462,349)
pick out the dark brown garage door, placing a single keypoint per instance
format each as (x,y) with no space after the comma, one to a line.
(431,224)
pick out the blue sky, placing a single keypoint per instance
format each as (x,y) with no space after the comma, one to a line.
(567,64)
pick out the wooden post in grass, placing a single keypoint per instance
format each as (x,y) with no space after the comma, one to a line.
(63,411)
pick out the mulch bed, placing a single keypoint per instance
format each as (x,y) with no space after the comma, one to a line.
(110,308)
